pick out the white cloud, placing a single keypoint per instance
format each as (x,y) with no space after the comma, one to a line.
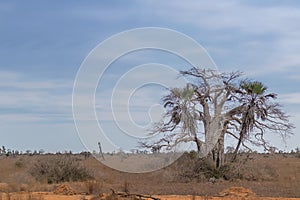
(137,91)
(267,36)
(230,15)
(24,99)
(291,98)
(19,81)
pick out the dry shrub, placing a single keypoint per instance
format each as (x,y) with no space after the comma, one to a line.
(93,187)
(245,169)
(11,187)
(20,178)
(126,187)
(21,196)
(40,187)
(4,187)
(34,197)
(20,163)
(59,169)
(191,167)
(64,190)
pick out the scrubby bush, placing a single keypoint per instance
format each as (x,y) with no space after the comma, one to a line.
(191,167)
(59,169)
(207,167)
(19,163)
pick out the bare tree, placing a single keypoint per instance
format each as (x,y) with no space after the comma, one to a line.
(100,150)
(198,106)
(215,104)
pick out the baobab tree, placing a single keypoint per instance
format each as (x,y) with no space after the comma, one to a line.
(215,104)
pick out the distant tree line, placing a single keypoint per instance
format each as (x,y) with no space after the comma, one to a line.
(9,152)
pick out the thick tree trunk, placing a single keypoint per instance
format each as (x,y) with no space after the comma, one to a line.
(217,152)
(220,153)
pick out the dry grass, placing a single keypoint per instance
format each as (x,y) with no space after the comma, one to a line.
(266,175)
(93,187)
(21,196)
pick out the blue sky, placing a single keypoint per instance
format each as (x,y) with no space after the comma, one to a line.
(43,43)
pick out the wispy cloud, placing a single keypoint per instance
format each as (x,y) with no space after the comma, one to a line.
(291,98)
(24,99)
(16,80)
(233,15)
(139,88)
(258,38)
(295,77)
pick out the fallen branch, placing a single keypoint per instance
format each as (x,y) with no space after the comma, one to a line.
(138,196)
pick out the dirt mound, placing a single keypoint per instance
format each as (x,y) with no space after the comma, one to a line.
(237,192)
(64,190)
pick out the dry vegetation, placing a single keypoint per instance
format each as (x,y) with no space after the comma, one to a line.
(273,175)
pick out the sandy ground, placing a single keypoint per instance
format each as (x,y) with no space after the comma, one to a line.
(49,196)
(230,193)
